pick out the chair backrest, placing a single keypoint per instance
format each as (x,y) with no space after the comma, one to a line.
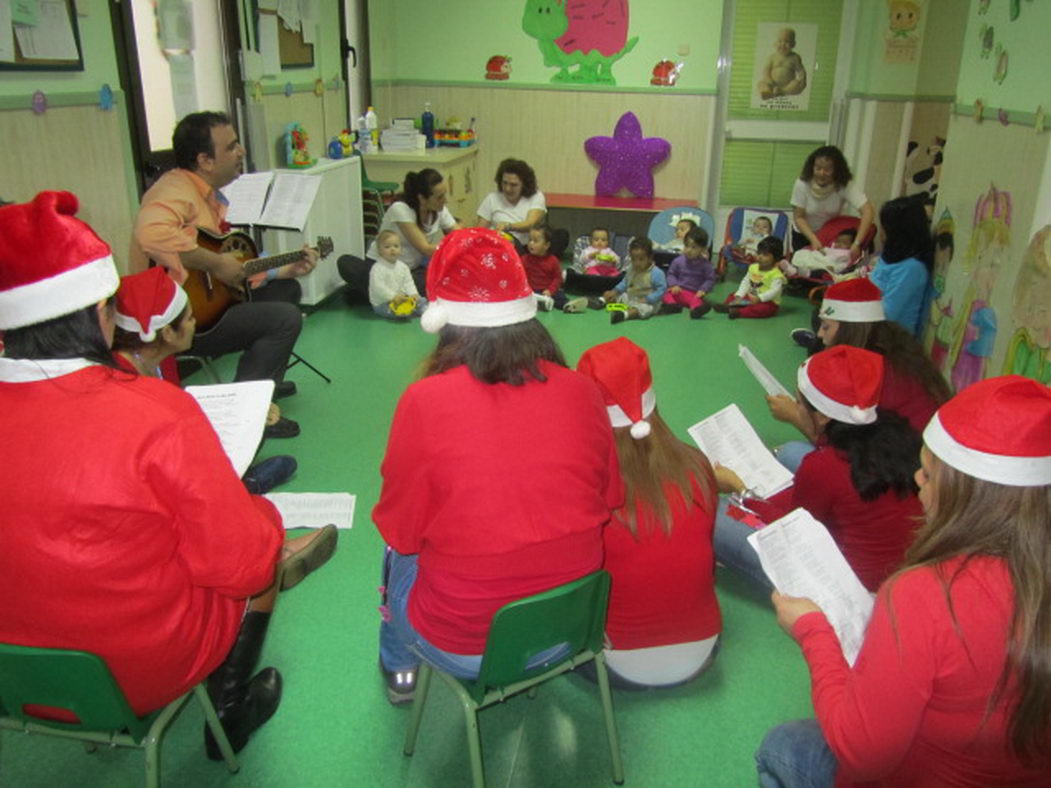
(741,219)
(662,226)
(76,681)
(573,614)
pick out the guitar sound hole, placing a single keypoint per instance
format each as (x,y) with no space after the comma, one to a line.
(239,247)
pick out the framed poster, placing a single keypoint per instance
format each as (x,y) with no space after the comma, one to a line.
(40,36)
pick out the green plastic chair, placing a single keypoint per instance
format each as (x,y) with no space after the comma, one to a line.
(81,682)
(388,188)
(575,614)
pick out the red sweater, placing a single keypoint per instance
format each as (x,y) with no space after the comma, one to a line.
(912,711)
(125,531)
(543,273)
(663,589)
(907,397)
(873,535)
(496,508)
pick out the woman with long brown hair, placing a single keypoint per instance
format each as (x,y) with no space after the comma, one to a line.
(664,621)
(480,504)
(953,682)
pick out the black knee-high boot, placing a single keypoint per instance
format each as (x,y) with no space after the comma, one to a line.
(243,701)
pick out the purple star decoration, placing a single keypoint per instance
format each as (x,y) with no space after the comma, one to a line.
(626,159)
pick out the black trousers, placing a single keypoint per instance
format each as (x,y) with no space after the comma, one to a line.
(265,329)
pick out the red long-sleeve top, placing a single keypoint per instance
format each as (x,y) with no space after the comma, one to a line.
(913,711)
(543,273)
(496,507)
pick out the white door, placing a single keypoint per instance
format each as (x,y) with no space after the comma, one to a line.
(355,45)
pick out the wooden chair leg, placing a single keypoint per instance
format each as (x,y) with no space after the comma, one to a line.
(423,684)
(611,722)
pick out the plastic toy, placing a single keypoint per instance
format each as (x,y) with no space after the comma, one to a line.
(296,154)
(498,67)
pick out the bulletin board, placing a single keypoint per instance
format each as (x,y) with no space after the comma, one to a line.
(53,44)
(293,50)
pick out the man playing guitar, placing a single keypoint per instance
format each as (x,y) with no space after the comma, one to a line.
(208,156)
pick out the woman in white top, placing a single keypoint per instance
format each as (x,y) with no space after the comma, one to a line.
(823,190)
(517,206)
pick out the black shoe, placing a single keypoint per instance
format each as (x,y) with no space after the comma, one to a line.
(239,720)
(804,337)
(596,303)
(734,312)
(313,556)
(264,476)
(700,311)
(722,309)
(671,309)
(401,685)
(286,388)
(617,317)
(282,428)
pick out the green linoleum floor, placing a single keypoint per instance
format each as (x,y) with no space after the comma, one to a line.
(335,726)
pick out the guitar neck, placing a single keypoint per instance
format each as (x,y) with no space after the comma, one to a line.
(260,264)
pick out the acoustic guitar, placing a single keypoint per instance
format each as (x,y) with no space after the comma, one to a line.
(209,297)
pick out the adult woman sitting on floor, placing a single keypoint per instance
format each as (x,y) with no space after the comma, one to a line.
(517,205)
(953,682)
(154,323)
(500,470)
(858,481)
(664,622)
(852,314)
(126,532)
(823,190)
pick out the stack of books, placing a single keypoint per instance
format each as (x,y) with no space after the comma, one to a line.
(401,139)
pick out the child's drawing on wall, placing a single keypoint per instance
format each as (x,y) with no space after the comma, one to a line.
(975,330)
(940,332)
(902,36)
(1031,311)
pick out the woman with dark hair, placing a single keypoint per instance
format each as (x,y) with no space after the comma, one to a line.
(903,271)
(500,469)
(858,481)
(126,532)
(825,189)
(419,217)
(517,205)
(952,685)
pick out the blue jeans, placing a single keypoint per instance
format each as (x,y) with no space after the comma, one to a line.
(795,754)
(401,646)
(384,310)
(791,454)
(730,541)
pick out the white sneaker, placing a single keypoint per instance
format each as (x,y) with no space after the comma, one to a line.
(545,303)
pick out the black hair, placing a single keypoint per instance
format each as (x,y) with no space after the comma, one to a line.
(193,136)
(522,170)
(545,231)
(418,186)
(500,354)
(883,455)
(698,236)
(691,222)
(841,174)
(641,243)
(771,245)
(908,231)
(76,335)
(850,232)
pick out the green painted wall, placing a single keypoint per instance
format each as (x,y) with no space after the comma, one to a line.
(1025,41)
(943,47)
(327,65)
(870,74)
(450,42)
(100,64)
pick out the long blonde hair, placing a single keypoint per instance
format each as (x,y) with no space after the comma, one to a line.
(656,465)
(971,517)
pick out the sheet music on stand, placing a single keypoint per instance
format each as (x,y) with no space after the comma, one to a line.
(800,557)
(246,196)
(728,439)
(770,384)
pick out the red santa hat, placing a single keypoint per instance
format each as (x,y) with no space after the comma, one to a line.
(997,430)
(853,301)
(51,264)
(844,383)
(148,301)
(622,370)
(475,278)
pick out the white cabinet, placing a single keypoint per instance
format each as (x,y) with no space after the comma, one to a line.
(336,213)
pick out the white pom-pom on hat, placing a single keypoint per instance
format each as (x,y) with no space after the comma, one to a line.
(640,429)
(434,317)
(622,370)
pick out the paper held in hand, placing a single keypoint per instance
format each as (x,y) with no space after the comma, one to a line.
(728,439)
(770,384)
(801,559)
(237,412)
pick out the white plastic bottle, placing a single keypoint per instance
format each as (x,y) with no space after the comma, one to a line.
(372,123)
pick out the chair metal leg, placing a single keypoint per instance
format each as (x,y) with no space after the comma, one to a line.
(151,743)
(474,745)
(216,727)
(423,684)
(298,359)
(611,722)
